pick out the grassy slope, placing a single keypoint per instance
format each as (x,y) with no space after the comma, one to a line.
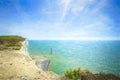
(10,42)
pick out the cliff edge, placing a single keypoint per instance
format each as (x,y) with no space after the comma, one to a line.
(16,64)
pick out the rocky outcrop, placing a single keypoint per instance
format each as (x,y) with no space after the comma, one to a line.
(42,62)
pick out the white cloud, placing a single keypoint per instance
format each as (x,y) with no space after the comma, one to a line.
(65,4)
(88,28)
(49,12)
(91,0)
(76,7)
(73,7)
(101,4)
(40,30)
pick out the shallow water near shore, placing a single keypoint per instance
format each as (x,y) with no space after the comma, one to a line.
(96,56)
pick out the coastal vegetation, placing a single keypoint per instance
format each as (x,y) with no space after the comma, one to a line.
(11,42)
(77,74)
(80,74)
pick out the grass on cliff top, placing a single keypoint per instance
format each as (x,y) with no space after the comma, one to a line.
(11,42)
(76,74)
(80,74)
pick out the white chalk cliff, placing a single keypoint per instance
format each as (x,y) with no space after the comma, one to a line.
(24,48)
(18,65)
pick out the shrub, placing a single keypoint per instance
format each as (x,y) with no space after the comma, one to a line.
(76,74)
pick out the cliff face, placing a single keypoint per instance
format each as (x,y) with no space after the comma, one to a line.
(41,61)
(18,65)
(24,48)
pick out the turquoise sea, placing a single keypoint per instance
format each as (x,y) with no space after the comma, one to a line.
(96,56)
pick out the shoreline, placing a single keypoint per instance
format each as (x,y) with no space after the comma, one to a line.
(73,68)
(60,52)
(17,65)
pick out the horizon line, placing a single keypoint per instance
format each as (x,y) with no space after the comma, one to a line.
(81,39)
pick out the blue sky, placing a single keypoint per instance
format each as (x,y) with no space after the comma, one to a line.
(61,19)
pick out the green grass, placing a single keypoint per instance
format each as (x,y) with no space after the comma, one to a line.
(10,38)
(10,42)
(80,74)
(76,74)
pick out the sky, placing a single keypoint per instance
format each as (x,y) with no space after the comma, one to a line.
(61,19)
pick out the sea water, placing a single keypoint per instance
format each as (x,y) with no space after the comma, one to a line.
(96,56)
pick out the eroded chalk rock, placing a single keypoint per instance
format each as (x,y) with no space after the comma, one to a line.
(42,62)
